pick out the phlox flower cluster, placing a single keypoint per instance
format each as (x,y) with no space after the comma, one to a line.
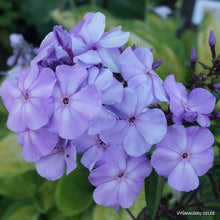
(85,93)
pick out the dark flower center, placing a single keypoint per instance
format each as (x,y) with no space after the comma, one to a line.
(102,143)
(132,119)
(26,96)
(65,100)
(121,175)
(185,155)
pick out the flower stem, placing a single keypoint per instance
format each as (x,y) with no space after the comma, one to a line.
(130,213)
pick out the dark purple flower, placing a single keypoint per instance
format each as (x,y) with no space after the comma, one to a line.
(183,155)
(101,47)
(138,128)
(136,69)
(193,57)
(193,107)
(212,40)
(37,143)
(75,106)
(120,179)
(30,96)
(52,166)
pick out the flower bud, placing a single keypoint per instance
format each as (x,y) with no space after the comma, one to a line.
(212,40)
(193,57)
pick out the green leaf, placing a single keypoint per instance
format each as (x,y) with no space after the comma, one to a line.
(20,187)
(24,210)
(153,190)
(45,196)
(11,160)
(74,193)
(215,170)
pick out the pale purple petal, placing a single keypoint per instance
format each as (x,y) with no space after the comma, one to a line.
(202,161)
(90,57)
(198,139)
(128,193)
(175,139)
(145,56)
(103,121)
(10,94)
(70,78)
(15,120)
(114,38)
(43,86)
(183,177)
(107,194)
(117,157)
(130,64)
(113,93)
(129,103)
(84,142)
(203,120)
(87,102)
(110,57)
(134,143)
(93,28)
(37,143)
(145,97)
(41,109)
(164,160)
(138,168)
(176,91)
(78,46)
(70,158)
(118,132)
(103,174)
(91,156)
(51,167)
(152,125)
(201,100)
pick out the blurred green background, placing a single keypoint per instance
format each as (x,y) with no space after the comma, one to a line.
(24,195)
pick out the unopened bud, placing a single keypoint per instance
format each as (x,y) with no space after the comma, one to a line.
(193,57)
(212,40)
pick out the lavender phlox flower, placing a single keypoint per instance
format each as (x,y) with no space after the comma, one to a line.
(137,68)
(99,47)
(76,105)
(37,143)
(138,127)
(63,156)
(120,179)
(30,96)
(93,148)
(111,90)
(193,107)
(183,155)
(23,52)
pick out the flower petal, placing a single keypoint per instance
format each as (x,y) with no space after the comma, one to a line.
(175,139)
(201,100)
(130,64)
(51,167)
(93,28)
(134,143)
(198,139)
(70,78)
(102,174)
(114,38)
(183,177)
(145,56)
(90,57)
(70,157)
(87,102)
(110,57)
(164,160)
(152,125)
(107,194)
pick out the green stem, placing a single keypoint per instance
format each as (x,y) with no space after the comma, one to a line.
(130,213)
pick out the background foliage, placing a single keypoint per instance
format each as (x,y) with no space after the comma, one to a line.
(23,193)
